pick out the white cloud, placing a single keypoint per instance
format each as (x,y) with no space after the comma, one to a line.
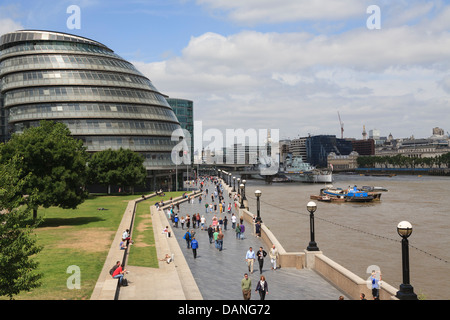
(270,11)
(8,25)
(387,79)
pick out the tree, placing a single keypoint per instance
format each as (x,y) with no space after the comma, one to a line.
(56,163)
(17,269)
(121,167)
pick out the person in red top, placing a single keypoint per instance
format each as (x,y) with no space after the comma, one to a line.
(118,273)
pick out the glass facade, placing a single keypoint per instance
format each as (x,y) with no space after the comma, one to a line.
(103,99)
(318,148)
(184,110)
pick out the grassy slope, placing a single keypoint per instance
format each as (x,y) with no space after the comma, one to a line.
(82,237)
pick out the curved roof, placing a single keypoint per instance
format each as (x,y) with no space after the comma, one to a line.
(27,35)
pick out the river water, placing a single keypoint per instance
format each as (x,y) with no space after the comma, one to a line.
(360,235)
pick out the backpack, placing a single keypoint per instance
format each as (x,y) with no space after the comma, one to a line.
(112,270)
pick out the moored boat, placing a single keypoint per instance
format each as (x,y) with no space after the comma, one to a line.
(349,195)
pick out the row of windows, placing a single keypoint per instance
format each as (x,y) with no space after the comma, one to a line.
(26,95)
(132,143)
(72,110)
(63,62)
(57,46)
(93,126)
(77,75)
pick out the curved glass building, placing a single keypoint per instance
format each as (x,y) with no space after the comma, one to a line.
(103,99)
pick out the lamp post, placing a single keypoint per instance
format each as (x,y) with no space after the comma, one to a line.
(258,216)
(406,291)
(218,173)
(229,179)
(239,185)
(234,185)
(242,195)
(312,207)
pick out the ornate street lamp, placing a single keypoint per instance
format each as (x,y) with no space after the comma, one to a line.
(312,207)
(234,185)
(229,179)
(406,291)
(239,185)
(258,216)
(242,195)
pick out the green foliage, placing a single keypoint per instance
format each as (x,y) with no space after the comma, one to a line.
(55,161)
(17,244)
(121,167)
(401,161)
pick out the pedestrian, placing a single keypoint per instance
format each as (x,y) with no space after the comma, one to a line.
(362,296)
(188,221)
(262,287)
(202,221)
(250,258)
(225,222)
(246,286)
(375,285)
(187,237)
(215,235)
(182,222)
(176,220)
(273,254)
(206,207)
(233,221)
(238,231)
(198,220)
(220,240)
(258,229)
(242,231)
(210,234)
(261,254)
(194,246)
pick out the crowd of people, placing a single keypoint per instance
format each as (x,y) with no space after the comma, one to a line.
(218,216)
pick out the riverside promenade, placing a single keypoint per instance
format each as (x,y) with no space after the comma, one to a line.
(214,274)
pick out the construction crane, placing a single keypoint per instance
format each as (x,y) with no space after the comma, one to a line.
(342,126)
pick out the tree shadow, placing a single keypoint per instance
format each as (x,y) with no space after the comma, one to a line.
(75,221)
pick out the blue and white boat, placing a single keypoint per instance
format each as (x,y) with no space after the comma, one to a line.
(352,194)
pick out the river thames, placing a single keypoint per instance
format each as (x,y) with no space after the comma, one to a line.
(360,235)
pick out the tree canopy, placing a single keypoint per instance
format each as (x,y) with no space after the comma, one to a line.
(121,167)
(17,244)
(55,161)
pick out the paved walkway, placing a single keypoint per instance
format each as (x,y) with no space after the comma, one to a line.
(217,274)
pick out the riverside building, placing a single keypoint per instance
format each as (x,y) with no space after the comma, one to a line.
(103,99)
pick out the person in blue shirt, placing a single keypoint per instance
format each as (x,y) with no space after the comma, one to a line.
(194,247)
(375,280)
(250,258)
(187,237)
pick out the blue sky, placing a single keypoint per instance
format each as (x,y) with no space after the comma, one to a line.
(276,64)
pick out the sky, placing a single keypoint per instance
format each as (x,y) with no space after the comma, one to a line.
(287,65)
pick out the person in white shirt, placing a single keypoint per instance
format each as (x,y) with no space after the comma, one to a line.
(233,221)
(273,253)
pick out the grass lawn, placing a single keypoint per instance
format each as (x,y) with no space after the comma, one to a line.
(82,237)
(143,252)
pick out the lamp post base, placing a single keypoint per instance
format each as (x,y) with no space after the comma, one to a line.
(312,246)
(406,292)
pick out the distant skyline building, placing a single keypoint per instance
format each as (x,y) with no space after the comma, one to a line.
(103,99)
(318,148)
